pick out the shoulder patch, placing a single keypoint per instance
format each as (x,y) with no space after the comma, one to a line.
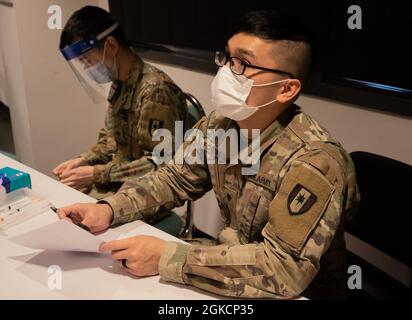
(297,208)
(300,200)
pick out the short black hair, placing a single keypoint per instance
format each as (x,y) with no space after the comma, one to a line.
(272,26)
(90,21)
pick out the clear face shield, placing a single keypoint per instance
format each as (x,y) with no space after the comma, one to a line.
(88,65)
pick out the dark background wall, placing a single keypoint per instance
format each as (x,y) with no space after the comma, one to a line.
(358,66)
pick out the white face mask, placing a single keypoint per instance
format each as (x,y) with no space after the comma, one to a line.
(229,94)
(102,74)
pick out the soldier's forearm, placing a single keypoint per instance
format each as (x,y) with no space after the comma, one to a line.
(112,172)
(172,261)
(95,156)
(236,271)
(139,198)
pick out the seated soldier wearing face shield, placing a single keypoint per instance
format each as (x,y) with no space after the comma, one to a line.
(283,234)
(142,99)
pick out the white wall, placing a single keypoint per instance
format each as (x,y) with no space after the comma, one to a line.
(12,86)
(362,129)
(52,117)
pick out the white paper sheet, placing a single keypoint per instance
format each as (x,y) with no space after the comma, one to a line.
(61,236)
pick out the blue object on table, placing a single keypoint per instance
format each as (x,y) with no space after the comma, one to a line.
(12,179)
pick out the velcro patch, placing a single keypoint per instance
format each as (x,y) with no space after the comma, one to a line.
(262,180)
(299,205)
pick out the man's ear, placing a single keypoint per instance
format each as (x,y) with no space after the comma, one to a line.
(113,46)
(289,91)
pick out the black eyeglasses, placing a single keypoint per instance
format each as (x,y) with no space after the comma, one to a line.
(238,65)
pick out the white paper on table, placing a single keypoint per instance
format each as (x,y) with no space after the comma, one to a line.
(60,236)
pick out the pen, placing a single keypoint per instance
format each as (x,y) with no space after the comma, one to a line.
(79,224)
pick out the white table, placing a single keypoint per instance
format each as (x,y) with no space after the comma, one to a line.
(24,272)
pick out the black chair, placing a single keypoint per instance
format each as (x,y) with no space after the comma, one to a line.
(383,221)
(195,112)
(172,224)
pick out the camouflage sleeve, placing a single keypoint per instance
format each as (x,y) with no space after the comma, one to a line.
(113,172)
(101,152)
(160,108)
(303,219)
(165,188)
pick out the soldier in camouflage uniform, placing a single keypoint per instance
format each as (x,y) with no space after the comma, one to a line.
(145,100)
(283,233)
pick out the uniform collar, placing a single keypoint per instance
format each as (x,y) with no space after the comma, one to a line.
(269,135)
(135,70)
(274,130)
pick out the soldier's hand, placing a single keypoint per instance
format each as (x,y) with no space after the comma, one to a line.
(78,178)
(95,216)
(68,165)
(141,254)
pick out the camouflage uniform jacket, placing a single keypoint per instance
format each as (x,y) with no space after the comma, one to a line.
(148,100)
(283,233)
